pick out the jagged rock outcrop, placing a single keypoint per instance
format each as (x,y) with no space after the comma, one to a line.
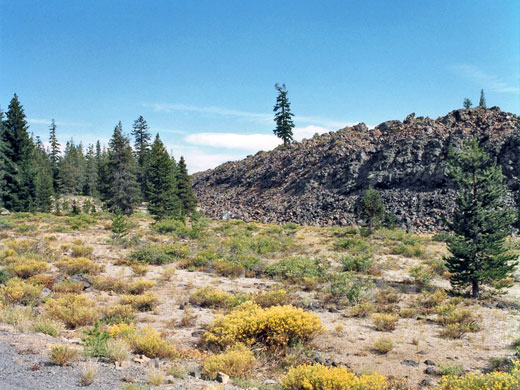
(319,181)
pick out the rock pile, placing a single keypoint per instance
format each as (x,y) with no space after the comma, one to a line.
(319,181)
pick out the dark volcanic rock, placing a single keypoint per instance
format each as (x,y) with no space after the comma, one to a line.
(319,181)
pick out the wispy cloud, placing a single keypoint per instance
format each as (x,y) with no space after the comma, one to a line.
(252,116)
(486,80)
(35,121)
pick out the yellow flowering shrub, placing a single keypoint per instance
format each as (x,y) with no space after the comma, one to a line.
(320,377)
(215,298)
(276,326)
(140,286)
(78,265)
(478,381)
(73,310)
(456,321)
(236,361)
(25,268)
(143,302)
(146,340)
(17,290)
(384,322)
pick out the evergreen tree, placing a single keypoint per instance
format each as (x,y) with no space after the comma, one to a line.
(18,151)
(372,208)
(103,172)
(142,147)
(3,161)
(162,186)
(54,157)
(482,101)
(43,179)
(467,103)
(120,227)
(481,221)
(123,192)
(73,169)
(283,116)
(91,173)
(184,188)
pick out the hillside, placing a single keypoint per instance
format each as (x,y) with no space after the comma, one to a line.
(319,181)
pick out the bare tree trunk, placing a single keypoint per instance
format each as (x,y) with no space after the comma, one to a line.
(475,289)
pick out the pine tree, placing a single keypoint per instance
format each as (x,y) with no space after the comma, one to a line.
(72,168)
(120,227)
(91,173)
(3,161)
(162,186)
(43,179)
(481,221)
(467,103)
(54,157)
(123,192)
(482,101)
(372,208)
(184,188)
(18,150)
(142,147)
(283,116)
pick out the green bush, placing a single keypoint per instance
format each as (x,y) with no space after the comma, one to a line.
(352,244)
(160,254)
(347,286)
(357,263)
(299,269)
(95,342)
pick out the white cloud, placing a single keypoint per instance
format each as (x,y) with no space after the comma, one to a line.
(259,117)
(486,80)
(249,142)
(35,121)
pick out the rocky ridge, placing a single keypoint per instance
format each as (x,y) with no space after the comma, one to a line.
(319,181)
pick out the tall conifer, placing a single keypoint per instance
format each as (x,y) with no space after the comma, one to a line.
(142,139)
(19,172)
(54,156)
(162,188)
(283,116)
(43,179)
(184,187)
(481,222)
(123,192)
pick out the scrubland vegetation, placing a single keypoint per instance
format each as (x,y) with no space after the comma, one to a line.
(310,308)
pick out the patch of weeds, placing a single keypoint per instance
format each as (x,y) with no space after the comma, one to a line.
(357,263)
(299,269)
(345,286)
(95,342)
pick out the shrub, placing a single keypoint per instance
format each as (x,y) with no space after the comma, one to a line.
(140,286)
(81,251)
(352,244)
(430,300)
(95,342)
(78,265)
(384,322)
(46,326)
(17,290)
(155,377)
(160,254)
(271,298)
(236,361)
(25,268)
(19,317)
(320,377)
(357,263)
(491,381)
(139,269)
(148,341)
(68,286)
(408,250)
(361,309)
(108,283)
(386,296)
(210,297)
(347,286)
(143,302)
(277,326)
(80,222)
(449,368)
(456,322)
(88,373)
(73,310)
(62,355)
(118,313)
(228,268)
(299,269)
(383,345)
(117,350)
(422,275)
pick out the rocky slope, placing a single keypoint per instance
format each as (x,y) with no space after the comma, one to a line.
(319,181)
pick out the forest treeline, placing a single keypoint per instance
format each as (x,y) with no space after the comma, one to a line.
(33,177)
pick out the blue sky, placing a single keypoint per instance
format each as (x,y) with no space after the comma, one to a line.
(202,73)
